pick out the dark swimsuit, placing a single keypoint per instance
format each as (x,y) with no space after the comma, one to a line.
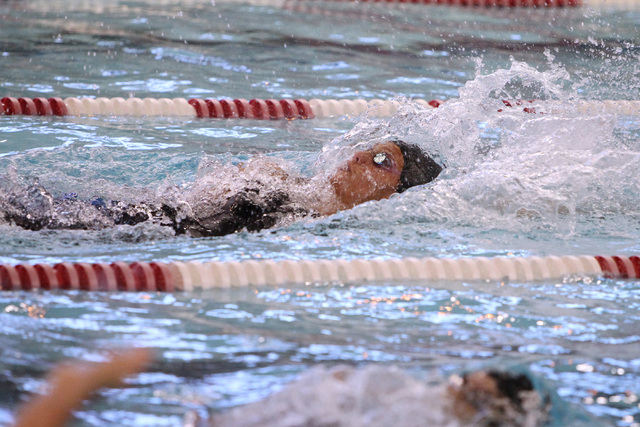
(253,208)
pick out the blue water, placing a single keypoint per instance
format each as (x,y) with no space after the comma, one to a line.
(557,182)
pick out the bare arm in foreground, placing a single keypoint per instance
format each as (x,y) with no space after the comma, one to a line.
(69,384)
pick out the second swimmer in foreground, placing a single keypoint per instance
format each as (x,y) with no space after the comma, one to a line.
(371,395)
(253,202)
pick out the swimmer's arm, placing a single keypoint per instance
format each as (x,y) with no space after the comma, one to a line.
(69,384)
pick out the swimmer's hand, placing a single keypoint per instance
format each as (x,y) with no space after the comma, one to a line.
(70,383)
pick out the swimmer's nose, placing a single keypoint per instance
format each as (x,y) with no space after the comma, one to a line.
(359,158)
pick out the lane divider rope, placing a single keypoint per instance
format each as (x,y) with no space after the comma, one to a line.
(195,275)
(481,3)
(261,109)
(101,6)
(202,108)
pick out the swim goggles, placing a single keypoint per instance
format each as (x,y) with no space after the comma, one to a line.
(381,159)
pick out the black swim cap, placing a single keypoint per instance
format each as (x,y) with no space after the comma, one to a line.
(419,167)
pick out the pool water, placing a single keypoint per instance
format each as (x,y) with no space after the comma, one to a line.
(558,181)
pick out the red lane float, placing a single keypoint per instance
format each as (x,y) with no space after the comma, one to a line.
(254,109)
(275,109)
(229,109)
(215,108)
(304,108)
(11,106)
(87,277)
(193,275)
(260,109)
(33,107)
(165,280)
(118,276)
(58,106)
(47,276)
(124,277)
(43,107)
(10,278)
(202,110)
(622,267)
(106,277)
(28,276)
(143,275)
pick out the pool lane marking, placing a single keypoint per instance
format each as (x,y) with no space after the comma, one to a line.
(258,109)
(98,6)
(102,6)
(267,109)
(194,275)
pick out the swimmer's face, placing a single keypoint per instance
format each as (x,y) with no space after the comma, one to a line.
(369,175)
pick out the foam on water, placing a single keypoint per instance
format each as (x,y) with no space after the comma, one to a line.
(548,167)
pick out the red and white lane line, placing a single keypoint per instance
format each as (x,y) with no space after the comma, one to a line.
(537,4)
(194,275)
(102,6)
(262,109)
(476,3)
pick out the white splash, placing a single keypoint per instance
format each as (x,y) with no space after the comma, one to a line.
(539,164)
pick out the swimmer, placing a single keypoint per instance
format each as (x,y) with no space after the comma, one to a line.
(342,395)
(256,203)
